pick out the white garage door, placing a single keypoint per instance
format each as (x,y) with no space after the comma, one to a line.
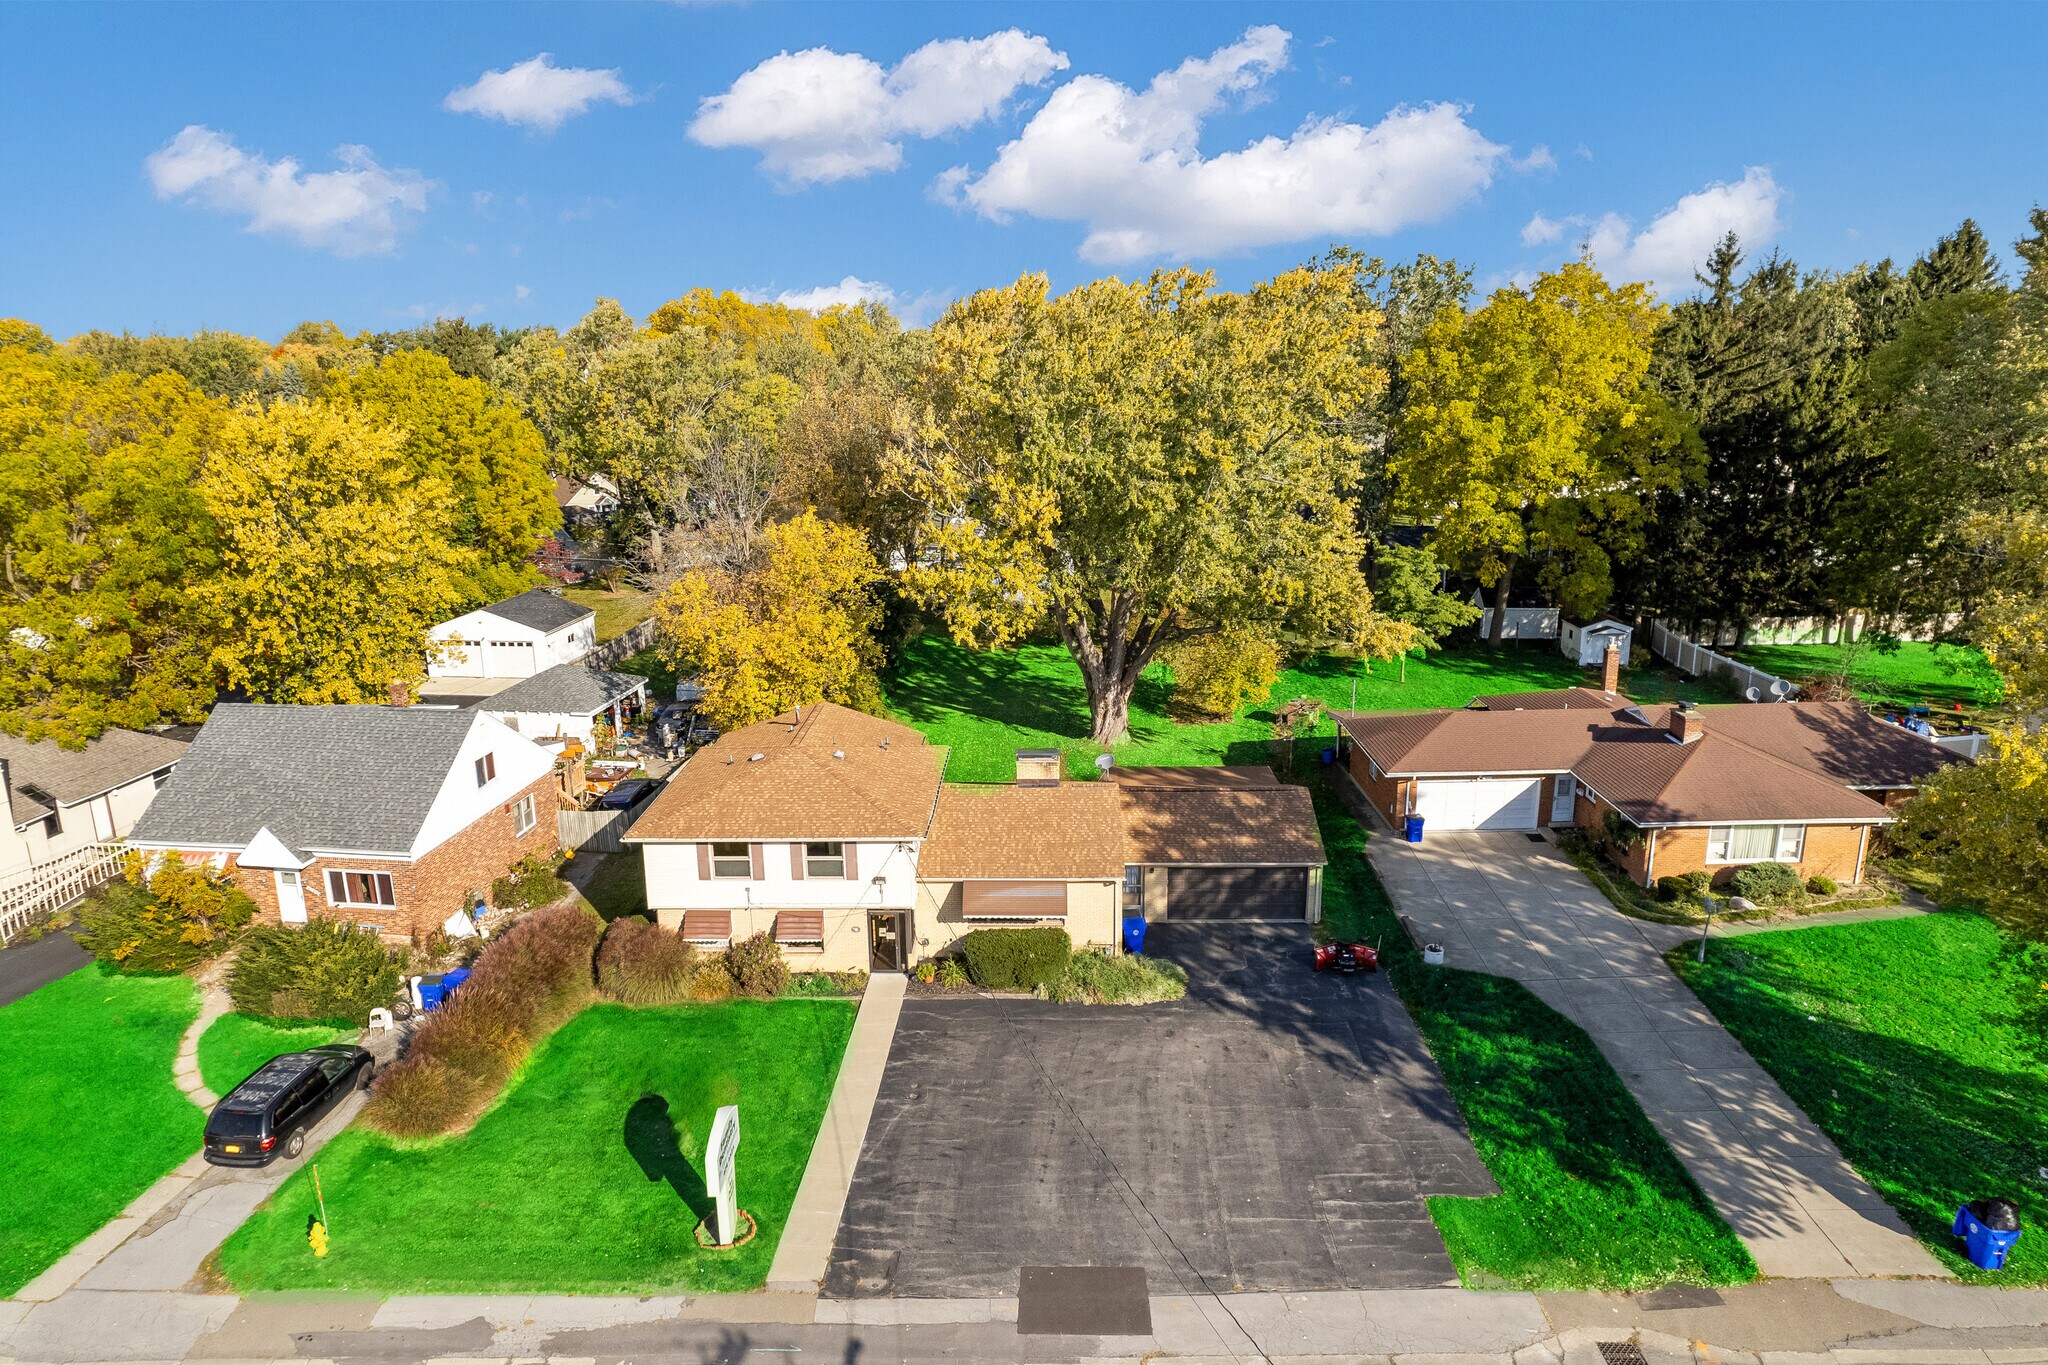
(508,659)
(1488,803)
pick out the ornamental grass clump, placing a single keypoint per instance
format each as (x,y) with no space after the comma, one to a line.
(524,986)
(642,963)
(1094,978)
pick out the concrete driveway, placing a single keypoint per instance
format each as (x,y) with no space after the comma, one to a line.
(1276,1130)
(1512,905)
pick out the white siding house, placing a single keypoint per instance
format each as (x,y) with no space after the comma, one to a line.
(516,638)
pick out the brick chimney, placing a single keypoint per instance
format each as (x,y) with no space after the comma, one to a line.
(1610,668)
(1687,724)
(398,693)
(1038,767)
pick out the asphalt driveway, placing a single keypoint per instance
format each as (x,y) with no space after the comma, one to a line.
(1276,1130)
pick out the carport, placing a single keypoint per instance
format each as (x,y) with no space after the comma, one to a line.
(1207,844)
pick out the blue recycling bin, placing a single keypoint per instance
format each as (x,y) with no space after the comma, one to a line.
(1985,1245)
(1414,829)
(1134,933)
(453,979)
(429,991)
(1329,757)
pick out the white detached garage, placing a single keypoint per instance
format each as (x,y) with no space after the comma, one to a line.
(520,637)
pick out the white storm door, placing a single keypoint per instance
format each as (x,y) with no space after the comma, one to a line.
(291,897)
(1563,801)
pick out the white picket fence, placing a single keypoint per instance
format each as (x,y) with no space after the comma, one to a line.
(1696,659)
(55,884)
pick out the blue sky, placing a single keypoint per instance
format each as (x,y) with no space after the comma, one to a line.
(172,167)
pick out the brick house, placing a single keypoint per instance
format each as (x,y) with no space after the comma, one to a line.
(1708,789)
(396,817)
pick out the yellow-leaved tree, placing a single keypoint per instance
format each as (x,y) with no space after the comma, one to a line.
(795,627)
(335,555)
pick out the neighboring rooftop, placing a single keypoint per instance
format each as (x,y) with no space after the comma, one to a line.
(42,775)
(538,609)
(355,779)
(564,690)
(826,772)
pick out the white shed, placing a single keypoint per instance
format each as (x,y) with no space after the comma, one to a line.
(1587,645)
(517,638)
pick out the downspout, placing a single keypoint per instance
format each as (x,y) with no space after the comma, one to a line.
(1862,843)
(1650,865)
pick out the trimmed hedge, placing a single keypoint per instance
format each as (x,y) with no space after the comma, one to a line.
(1687,887)
(1016,959)
(527,983)
(1768,884)
(321,970)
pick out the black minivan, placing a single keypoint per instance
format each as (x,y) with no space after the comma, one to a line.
(269,1115)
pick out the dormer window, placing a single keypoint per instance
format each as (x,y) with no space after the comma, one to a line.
(486,769)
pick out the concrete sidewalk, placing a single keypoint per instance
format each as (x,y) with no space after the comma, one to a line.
(1504,904)
(805,1250)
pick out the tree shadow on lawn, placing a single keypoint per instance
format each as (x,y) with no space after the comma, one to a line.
(651,1137)
(1928,1130)
(936,679)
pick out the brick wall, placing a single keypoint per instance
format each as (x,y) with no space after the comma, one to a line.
(1389,795)
(1830,851)
(432,889)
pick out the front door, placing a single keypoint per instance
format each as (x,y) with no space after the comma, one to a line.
(291,897)
(887,950)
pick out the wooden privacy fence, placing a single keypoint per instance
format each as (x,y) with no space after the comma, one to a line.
(1752,683)
(55,884)
(594,831)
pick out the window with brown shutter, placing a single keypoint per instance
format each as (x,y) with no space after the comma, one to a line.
(796,862)
(825,860)
(732,860)
(851,871)
(757,863)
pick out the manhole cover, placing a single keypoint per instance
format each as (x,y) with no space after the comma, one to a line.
(1622,1353)
(1083,1300)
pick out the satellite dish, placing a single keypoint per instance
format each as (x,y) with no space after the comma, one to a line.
(1779,687)
(1104,762)
(1751,694)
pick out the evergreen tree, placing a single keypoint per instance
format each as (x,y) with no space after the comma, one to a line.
(1959,264)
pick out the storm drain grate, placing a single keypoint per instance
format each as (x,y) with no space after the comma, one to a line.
(1622,1353)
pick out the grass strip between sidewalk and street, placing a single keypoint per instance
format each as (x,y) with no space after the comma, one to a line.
(1591,1196)
(1920,1046)
(89,1114)
(587,1175)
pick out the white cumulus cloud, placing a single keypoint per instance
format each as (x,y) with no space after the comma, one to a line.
(1540,229)
(355,211)
(1130,167)
(537,93)
(820,115)
(1677,241)
(850,290)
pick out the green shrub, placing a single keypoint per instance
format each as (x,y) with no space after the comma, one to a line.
(712,983)
(926,971)
(1622,832)
(1687,887)
(530,980)
(826,985)
(326,969)
(1822,886)
(952,974)
(1216,674)
(1015,959)
(756,967)
(641,963)
(529,883)
(1098,979)
(169,920)
(1768,884)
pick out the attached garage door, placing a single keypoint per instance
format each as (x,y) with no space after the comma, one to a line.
(1276,893)
(1488,803)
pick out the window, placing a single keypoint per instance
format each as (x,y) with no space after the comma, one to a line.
(53,825)
(158,778)
(486,769)
(824,860)
(359,888)
(731,860)
(1134,882)
(523,817)
(1755,843)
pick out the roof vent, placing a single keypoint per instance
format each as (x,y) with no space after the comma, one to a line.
(1635,713)
(839,753)
(757,758)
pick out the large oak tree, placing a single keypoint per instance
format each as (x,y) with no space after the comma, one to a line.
(1136,464)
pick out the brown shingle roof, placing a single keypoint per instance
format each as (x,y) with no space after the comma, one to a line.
(1221,826)
(1838,739)
(1251,776)
(1656,782)
(1072,832)
(1557,699)
(1438,743)
(801,787)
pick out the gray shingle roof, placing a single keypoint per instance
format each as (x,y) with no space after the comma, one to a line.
(42,776)
(564,690)
(539,609)
(356,779)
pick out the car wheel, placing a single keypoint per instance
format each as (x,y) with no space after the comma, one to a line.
(295,1145)
(401,1008)
(367,1074)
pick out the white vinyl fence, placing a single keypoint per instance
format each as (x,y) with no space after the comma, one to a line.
(55,884)
(1752,683)
(594,831)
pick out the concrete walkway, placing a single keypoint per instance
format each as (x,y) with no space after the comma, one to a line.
(1512,906)
(213,1003)
(806,1246)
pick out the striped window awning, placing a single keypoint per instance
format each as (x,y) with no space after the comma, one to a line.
(708,926)
(800,927)
(1013,900)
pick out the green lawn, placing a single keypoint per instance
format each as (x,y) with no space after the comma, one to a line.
(587,1177)
(234,1045)
(89,1116)
(617,883)
(1591,1196)
(1937,675)
(617,612)
(1921,1047)
(987,705)
(660,674)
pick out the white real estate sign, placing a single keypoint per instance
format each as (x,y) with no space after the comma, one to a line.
(720,1154)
